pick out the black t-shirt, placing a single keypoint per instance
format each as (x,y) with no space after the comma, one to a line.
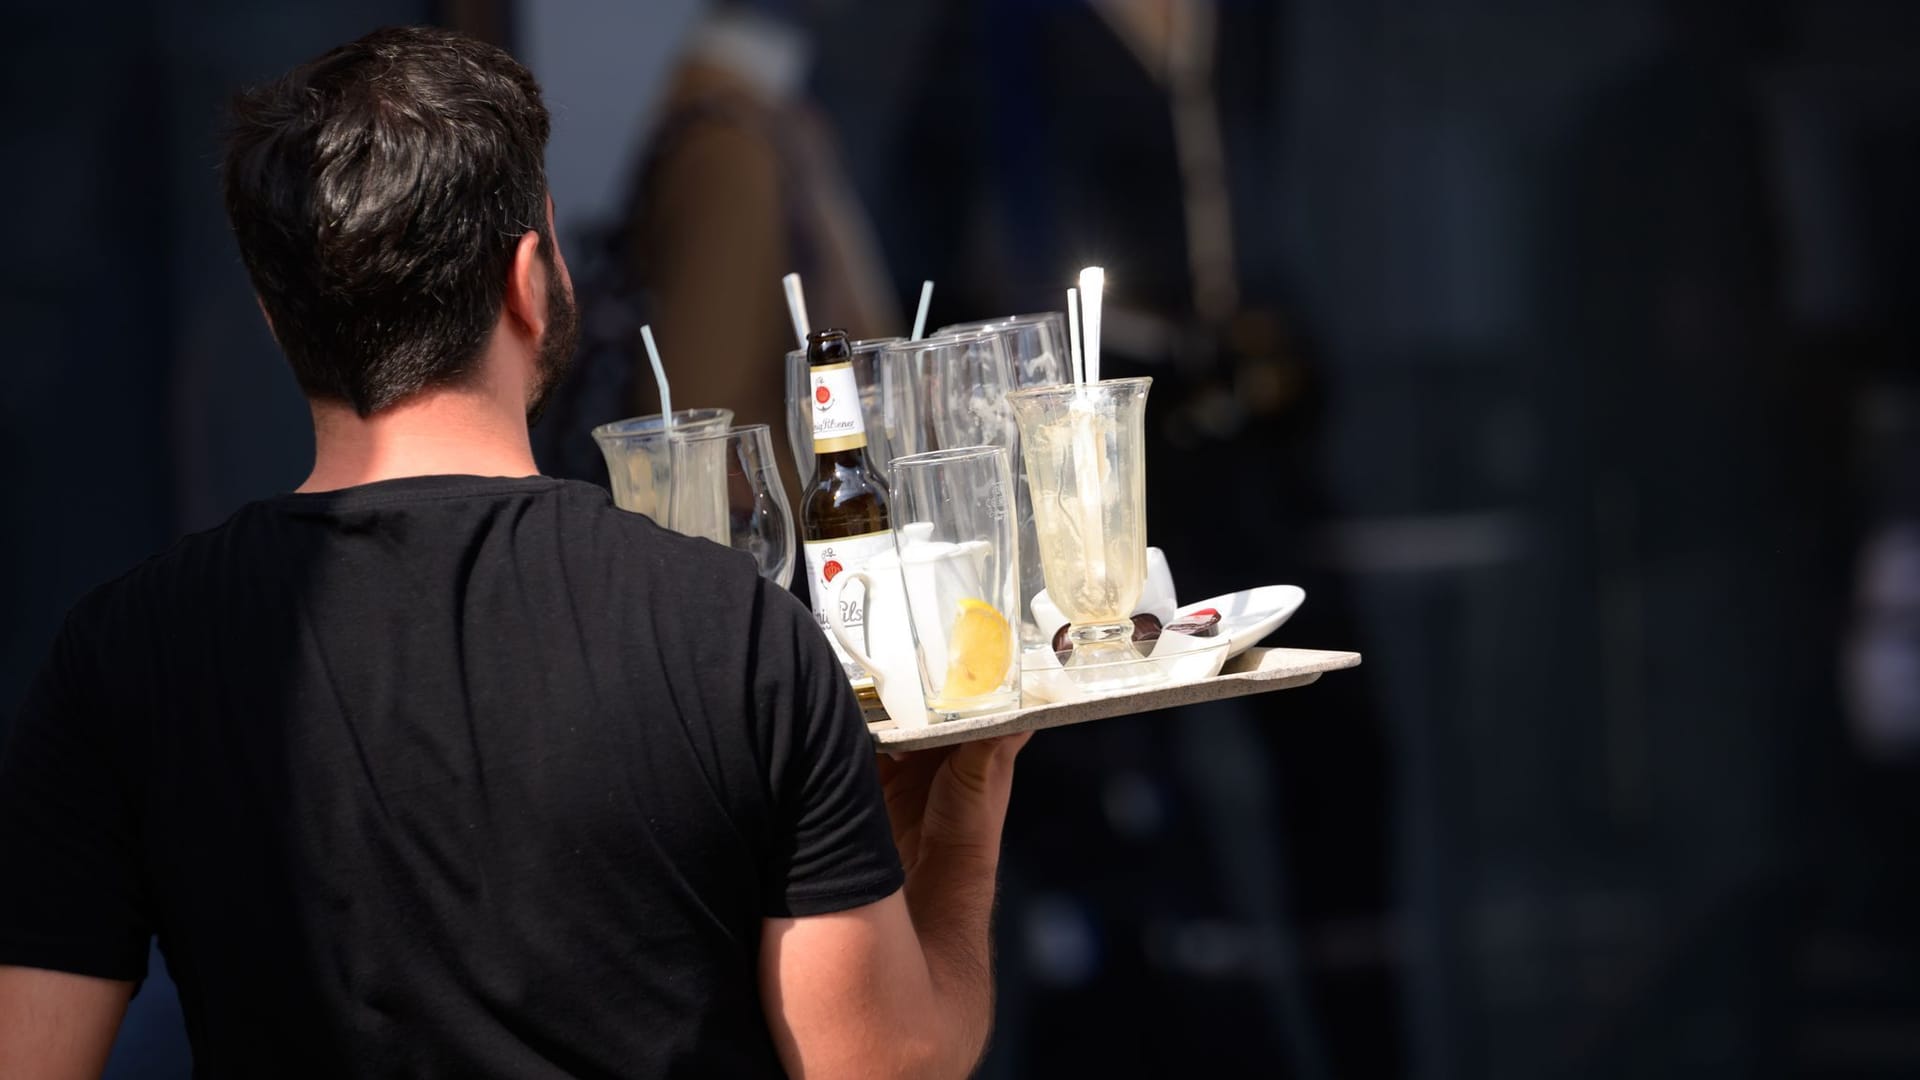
(440,776)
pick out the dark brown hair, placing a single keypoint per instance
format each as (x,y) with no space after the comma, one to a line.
(377,193)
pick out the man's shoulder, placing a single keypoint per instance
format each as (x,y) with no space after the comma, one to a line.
(679,559)
(164,571)
(711,584)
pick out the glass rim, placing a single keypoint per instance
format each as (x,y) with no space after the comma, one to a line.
(946,457)
(945,339)
(732,432)
(1032,318)
(1066,388)
(652,424)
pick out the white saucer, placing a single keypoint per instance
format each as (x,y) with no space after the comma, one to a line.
(1172,660)
(1249,615)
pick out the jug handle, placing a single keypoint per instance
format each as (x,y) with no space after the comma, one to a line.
(855,649)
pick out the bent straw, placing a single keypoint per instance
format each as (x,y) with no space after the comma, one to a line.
(662,498)
(659,378)
(797,307)
(920,318)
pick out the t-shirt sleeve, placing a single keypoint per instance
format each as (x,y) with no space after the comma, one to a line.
(832,847)
(73,899)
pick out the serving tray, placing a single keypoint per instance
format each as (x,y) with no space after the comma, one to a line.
(1256,671)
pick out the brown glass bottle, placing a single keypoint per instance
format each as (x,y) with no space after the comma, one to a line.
(843,515)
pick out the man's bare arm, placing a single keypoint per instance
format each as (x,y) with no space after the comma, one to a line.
(903,987)
(57,1026)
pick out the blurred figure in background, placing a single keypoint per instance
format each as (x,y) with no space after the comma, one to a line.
(740,183)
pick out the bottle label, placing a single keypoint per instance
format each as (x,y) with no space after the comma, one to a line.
(827,560)
(836,409)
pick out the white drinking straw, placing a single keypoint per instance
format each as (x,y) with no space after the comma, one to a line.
(1086,452)
(797,307)
(1093,282)
(1073,336)
(920,317)
(659,377)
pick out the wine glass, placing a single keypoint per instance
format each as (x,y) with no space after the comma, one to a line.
(758,520)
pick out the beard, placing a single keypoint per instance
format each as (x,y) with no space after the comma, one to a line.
(555,356)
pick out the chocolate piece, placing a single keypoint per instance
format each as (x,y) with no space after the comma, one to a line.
(1202,623)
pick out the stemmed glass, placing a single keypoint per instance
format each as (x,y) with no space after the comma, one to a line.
(1085,454)
(756,518)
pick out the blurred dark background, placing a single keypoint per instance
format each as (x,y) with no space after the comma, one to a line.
(1564,351)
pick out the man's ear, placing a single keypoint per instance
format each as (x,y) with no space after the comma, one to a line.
(262,305)
(526,299)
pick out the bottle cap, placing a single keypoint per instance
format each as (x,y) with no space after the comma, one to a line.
(829,347)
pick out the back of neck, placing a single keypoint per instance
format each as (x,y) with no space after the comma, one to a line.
(436,433)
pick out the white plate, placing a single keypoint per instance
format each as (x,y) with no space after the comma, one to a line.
(1249,615)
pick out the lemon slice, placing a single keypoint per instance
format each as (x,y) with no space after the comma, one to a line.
(979,650)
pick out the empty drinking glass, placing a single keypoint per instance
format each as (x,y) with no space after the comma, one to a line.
(756,518)
(959,565)
(640,460)
(945,392)
(1036,346)
(1085,452)
(949,391)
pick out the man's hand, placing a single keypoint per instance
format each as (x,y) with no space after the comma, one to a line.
(951,801)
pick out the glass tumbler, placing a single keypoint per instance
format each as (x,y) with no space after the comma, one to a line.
(1036,346)
(951,390)
(959,566)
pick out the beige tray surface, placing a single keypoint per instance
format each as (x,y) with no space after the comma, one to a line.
(1256,671)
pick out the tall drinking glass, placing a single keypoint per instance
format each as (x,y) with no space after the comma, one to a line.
(959,565)
(640,458)
(755,516)
(1036,346)
(800,412)
(949,391)
(1086,464)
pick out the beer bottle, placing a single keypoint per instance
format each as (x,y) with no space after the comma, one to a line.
(843,515)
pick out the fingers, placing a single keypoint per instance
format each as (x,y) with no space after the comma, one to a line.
(1000,751)
(987,764)
(1010,744)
